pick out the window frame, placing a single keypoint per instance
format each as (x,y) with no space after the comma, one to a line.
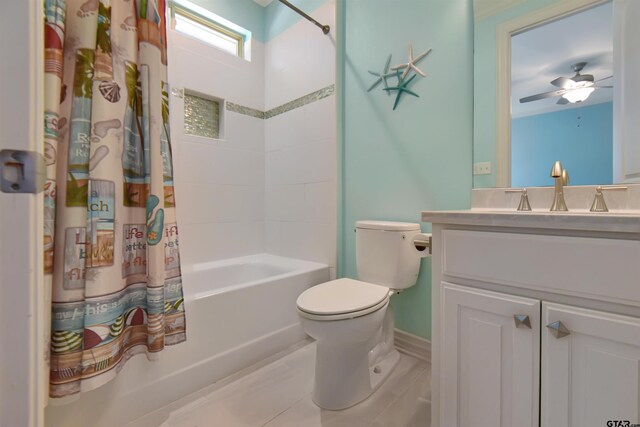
(211,24)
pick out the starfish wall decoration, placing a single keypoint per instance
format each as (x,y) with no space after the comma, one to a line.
(402,88)
(411,64)
(382,76)
(403,79)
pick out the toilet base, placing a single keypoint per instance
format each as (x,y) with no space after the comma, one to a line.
(345,378)
(384,369)
(348,373)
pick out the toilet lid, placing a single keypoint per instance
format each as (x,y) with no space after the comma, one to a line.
(341,296)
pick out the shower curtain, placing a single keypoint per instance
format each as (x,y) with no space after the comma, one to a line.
(111,238)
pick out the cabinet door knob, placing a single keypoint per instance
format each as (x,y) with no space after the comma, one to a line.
(522,321)
(558,329)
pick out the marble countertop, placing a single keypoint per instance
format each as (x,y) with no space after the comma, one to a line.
(496,207)
(619,222)
(578,198)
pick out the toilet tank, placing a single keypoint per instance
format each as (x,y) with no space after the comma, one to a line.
(385,254)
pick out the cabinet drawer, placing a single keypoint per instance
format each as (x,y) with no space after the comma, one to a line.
(603,269)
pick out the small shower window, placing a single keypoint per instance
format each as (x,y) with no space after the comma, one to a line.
(202,116)
(199,23)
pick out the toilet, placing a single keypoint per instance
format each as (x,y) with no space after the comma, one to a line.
(351,320)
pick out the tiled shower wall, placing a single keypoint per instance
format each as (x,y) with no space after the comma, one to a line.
(300,145)
(220,183)
(269,184)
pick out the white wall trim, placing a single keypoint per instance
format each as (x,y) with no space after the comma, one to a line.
(504,32)
(483,9)
(23,377)
(625,161)
(413,345)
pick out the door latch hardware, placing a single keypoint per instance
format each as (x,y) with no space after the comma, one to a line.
(22,171)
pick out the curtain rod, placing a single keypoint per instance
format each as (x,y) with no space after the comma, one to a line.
(325,28)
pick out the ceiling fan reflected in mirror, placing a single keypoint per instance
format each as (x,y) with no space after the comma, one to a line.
(572,89)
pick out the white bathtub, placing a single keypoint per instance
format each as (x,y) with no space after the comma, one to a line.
(233,274)
(244,309)
(239,311)
(246,303)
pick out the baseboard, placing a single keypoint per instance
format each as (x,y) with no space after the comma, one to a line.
(413,345)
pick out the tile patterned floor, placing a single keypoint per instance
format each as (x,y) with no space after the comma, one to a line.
(279,395)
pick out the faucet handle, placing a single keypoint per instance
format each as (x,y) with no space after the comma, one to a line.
(565,177)
(599,204)
(524,205)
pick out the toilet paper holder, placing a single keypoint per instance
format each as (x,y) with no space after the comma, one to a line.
(423,243)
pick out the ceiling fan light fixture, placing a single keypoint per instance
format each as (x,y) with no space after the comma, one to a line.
(578,95)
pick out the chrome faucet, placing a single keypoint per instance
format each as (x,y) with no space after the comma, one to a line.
(562,178)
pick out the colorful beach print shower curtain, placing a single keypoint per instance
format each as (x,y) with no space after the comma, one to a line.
(111,238)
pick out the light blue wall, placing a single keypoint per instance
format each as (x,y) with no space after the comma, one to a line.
(395,164)
(581,138)
(484,134)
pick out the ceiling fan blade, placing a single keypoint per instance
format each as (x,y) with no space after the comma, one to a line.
(562,82)
(604,78)
(543,95)
(562,101)
(582,78)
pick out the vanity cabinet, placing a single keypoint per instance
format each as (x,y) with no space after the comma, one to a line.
(588,368)
(532,325)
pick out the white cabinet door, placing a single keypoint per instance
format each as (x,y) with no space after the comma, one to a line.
(592,375)
(489,364)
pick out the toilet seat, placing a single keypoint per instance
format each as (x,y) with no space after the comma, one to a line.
(342,299)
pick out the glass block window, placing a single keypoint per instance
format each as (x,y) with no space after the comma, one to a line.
(201,116)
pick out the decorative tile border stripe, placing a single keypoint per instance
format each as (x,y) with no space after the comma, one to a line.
(291,105)
(302,101)
(247,111)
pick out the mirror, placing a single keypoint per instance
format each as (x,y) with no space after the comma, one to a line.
(524,48)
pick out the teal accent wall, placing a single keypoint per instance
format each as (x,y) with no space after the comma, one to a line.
(581,138)
(484,135)
(395,164)
(245,13)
